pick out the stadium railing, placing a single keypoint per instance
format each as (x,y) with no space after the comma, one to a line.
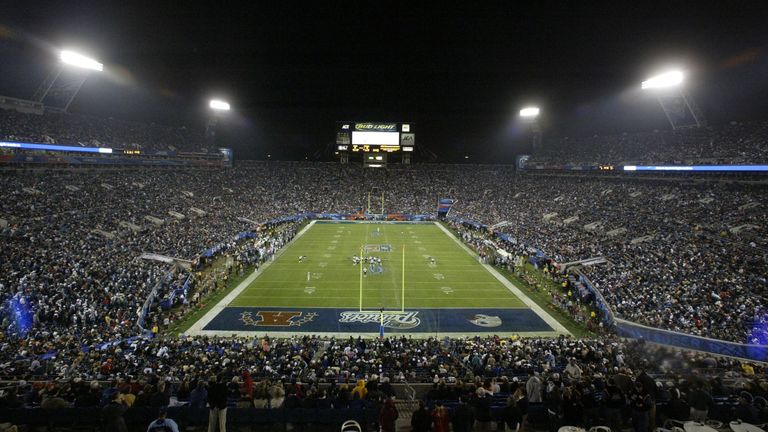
(150,299)
(600,300)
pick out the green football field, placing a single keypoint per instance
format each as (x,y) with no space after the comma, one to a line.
(438,272)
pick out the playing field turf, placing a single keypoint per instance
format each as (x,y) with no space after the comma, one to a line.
(327,276)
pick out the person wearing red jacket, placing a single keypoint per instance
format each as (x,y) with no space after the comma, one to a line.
(388,416)
(440,419)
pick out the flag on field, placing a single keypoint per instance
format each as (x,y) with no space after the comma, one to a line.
(444,206)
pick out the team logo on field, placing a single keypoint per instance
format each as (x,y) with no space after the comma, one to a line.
(277,318)
(404,321)
(369,248)
(376,268)
(481,320)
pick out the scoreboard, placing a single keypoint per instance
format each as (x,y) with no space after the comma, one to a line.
(374,137)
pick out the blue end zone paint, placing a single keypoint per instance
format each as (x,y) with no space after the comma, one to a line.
(351,321)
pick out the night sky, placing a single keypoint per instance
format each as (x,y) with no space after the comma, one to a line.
(459,70)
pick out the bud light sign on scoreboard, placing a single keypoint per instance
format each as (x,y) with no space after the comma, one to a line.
(371,136)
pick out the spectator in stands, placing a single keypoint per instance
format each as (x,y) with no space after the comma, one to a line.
(590,404)
(112,415)
(163,423)
(573,411)
(700,401)
(463,418)
(388,416)
(421,420)
(534,388)
(640,401)
(217,405)
(572,370)
(677,407)
(745,411)
(512,416)
(482,410)
(386,387)
(553,402)
(360,390)
(441,420)
(52,399)
(199,396)
(615,403)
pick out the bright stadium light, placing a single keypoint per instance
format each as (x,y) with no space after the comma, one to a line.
(669,79)
(81,61)
(529,112)
(219,105)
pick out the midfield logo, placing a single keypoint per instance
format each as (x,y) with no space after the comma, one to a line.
(407,320)
(277,318)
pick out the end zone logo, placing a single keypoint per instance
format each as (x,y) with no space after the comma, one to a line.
(485,320)
(277,318)
(404,321)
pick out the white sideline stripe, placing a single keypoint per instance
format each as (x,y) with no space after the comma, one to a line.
(549,319)
(197,327)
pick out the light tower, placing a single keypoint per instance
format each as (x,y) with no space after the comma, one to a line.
(217,109)
(531,116)
(678,105)
(62,85)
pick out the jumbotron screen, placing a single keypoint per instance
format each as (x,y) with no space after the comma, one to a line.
(374,137)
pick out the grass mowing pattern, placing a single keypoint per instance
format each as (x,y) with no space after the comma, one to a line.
(327,277)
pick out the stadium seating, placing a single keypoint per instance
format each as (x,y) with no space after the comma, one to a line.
(687,256)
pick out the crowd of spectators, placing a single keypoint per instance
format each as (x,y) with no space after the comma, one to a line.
(87,131)
(582,382)
(685,256)
(732,143)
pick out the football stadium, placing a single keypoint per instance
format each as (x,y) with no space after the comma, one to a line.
(382,217)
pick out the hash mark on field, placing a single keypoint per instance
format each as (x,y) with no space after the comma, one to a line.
(334,241)
(446,289)
(322,264)
(417,241)
(331,247)
(438,276)
(309,290)
(422,249)
(326,255)
(337,236)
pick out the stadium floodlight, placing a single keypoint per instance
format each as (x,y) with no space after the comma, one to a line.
(81,61)
(529,112)
(668,79)
(219,105)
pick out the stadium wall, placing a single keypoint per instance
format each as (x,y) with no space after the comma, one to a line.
(687,341)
